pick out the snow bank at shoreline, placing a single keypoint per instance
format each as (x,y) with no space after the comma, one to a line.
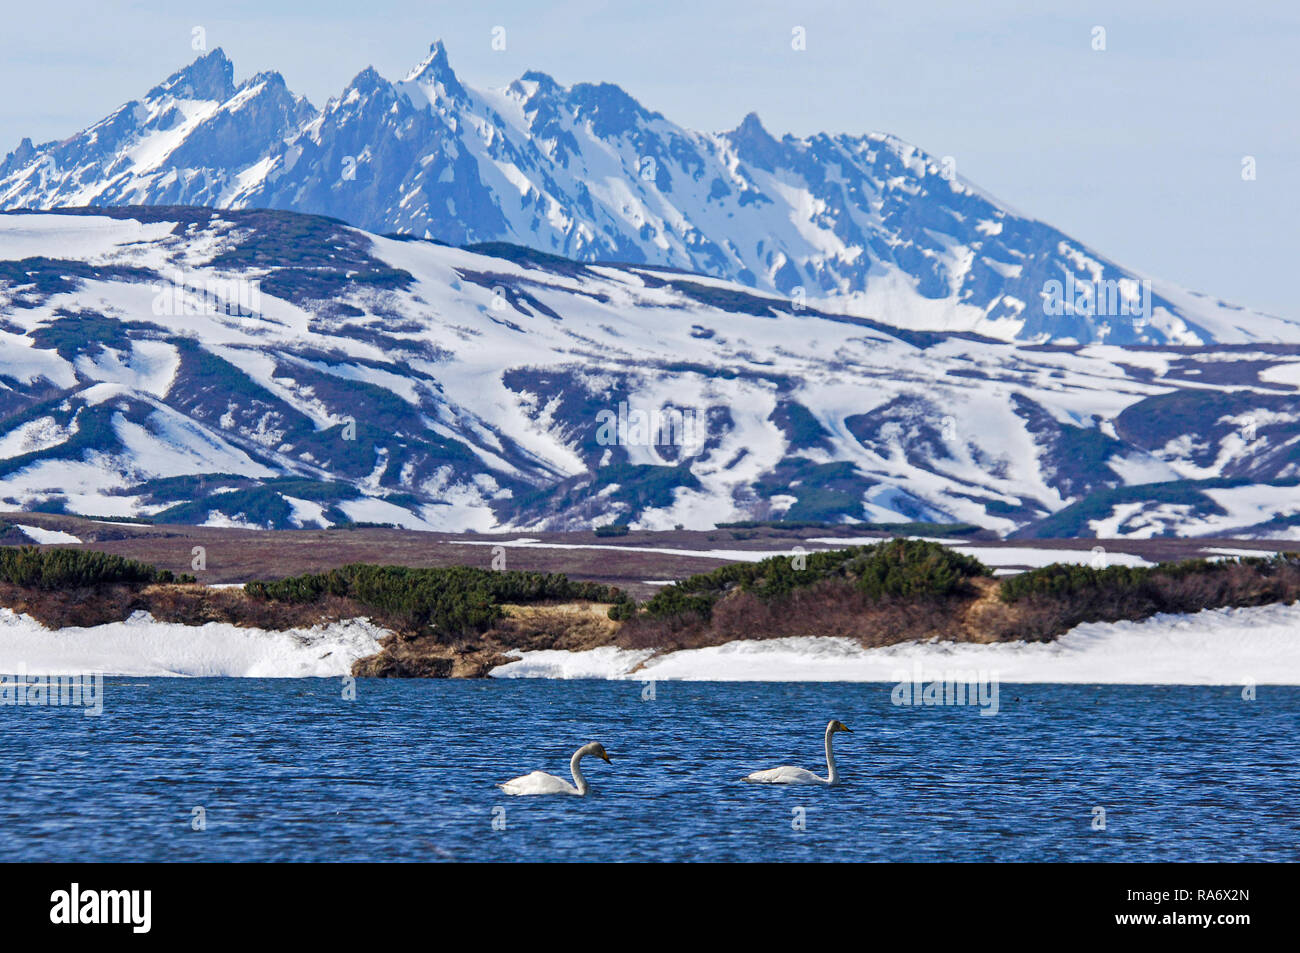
(143,646)
(1213,647)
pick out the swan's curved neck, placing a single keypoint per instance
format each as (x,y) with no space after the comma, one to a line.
(578,779)
(834,776)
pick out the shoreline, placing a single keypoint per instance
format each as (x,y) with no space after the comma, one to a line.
(1215,647)
(853,614)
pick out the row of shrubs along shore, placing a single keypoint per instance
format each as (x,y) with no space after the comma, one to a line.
(879,594)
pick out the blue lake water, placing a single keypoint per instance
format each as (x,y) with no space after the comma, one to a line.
(289,770)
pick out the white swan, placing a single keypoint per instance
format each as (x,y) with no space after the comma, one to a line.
(791,775)
(539,782)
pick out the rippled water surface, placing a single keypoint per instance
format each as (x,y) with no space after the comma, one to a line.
(289,770)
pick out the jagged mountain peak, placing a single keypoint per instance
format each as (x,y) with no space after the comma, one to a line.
(435,72)
(365,81)
(544,82)
(752,127)
(436,63)
(19,157)
(755,144)
(210,77)
(268,77)
(867,225)
(608,107)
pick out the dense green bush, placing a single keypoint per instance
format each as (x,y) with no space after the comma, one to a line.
(1063,580)
(613,529)
(906,568)
(1054,599)
(36,568)
(451,601)
(622,610)
(675,601)
(913,567)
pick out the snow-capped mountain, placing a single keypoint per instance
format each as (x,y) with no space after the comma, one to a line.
(276,369)
(859,224)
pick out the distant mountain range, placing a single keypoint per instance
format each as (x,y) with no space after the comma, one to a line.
(276,369)
(860,224)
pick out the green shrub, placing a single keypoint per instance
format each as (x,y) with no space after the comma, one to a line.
(613,529)
(914,567)
(451,601)
(36,568)
(906,568)
(622,611)
(1084,583)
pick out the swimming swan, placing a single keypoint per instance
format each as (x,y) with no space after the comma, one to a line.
(539,782)
(790,775)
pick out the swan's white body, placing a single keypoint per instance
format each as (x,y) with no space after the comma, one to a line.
(788,774)
(539,782)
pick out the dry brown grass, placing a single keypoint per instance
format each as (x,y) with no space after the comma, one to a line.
(831,607)
(835,608)
(571,626)
(1042,617)
(184,604)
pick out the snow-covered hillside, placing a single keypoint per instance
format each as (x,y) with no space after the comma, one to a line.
(276,369)
(860,224)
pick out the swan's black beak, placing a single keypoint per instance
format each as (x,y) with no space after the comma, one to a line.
(605,758)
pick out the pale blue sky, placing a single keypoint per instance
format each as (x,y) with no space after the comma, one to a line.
(1135,150)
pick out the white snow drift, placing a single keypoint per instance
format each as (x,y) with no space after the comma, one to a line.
(1216,647)
(143,646)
